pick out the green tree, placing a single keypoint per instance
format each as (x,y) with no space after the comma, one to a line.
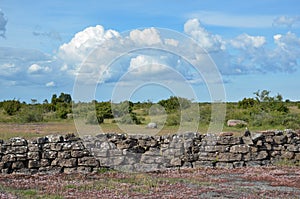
(11,107)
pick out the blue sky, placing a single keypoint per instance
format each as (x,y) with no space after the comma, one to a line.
(55,46)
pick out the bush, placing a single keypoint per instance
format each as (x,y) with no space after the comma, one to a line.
(173,119)
(130,119)
(31,114)
(11,107)
(91,118)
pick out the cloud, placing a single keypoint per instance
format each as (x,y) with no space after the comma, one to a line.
(208,41)
(172,42)
(3,22)
(147,36)
(245,41)
(146,66)
(83,43)
(35,68)
(101,53)
(286,21)
(50,84)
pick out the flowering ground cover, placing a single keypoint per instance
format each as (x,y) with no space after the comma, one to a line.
(247,182)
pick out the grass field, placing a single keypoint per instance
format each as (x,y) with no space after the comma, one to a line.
(31,130)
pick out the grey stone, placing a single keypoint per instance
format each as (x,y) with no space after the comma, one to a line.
(228,140)
(82,169)
(44,162)
(54,138)
(204,156)
(17,165)
(280,139)
(242,148)
(201,164)
(216,148)
(88,161)
(64,154)
(238,164)
(233,122)
(17,141)
(146,167)
(67,162)
(19,149)
(49,154)
(224,165)
(260,155)
(152,125)
(287,155)
(69,170)
(257,136)
(56,146)
(111,161)
(33,155)
(176,162)
(247,141)
(33,164)
(229,157)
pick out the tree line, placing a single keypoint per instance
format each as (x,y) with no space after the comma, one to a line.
(260,110)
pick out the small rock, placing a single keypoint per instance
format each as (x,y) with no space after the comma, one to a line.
(152,125)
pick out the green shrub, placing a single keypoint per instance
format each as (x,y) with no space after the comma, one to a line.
(130,119)
(31,114)
(173,119)
(11,107)
(92,118)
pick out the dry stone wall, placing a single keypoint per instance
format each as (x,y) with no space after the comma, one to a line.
(56,153)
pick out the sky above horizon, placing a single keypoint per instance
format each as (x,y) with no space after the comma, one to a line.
(149,50)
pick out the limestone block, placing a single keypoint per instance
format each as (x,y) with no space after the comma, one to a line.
(229,157)
(287,155)
(31,155)
(247,140)
(17,141)
(280,139)
(293,148)
(56,146)
(49,154)
(67,162)
(45,162)
(228,140)
(200,164)
(33,164)
(260,155)
(88,161)
(241,148)
(17,165)
(64,154)
(54,138)
(224,165)
(176,162)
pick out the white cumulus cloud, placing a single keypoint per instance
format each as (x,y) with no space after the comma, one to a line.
(149,36)
(145,65)
(286,21)
(207,40)
(171,42)
(84,42)
(245,41)
(50,84)
(35,68)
